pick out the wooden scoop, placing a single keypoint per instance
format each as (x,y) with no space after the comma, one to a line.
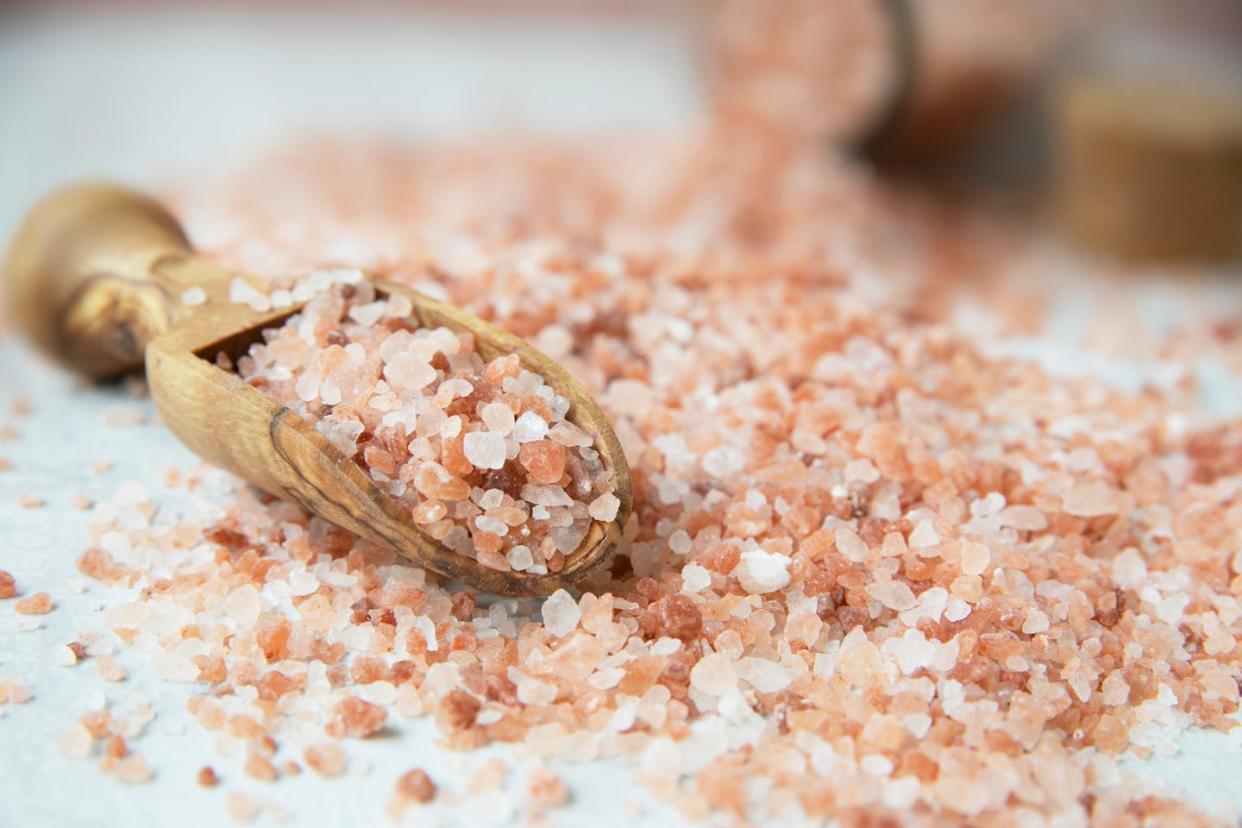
(95,277)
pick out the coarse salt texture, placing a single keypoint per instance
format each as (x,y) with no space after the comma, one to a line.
(478,453)
(876,574)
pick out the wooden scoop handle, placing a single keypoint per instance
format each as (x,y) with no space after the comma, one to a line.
(91,276)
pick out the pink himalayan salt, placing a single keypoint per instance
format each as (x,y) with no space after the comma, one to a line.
(1091,500)
(432,422)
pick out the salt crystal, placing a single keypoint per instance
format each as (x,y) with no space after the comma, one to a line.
(498,417)
(485,450)
(1091,500)
(723,462)
(407,372)
(924,535)
(520,558)
(604,508)
(760,571)
(714,674)
(850,545)
(679,542)
(1036,622)
(242,292)
(694,578)
(561,613)
(530,427)
(894,595)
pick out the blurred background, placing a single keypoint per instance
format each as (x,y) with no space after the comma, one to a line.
(1110,137)
(1128,107)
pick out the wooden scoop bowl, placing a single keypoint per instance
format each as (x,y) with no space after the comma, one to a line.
(95,277)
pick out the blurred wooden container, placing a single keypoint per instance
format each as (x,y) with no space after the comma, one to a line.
(1149,163)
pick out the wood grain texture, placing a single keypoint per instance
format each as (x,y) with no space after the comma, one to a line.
(145,263)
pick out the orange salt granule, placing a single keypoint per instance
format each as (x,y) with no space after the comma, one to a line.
(355,718)
(8,585)
(416,786)
(37,603)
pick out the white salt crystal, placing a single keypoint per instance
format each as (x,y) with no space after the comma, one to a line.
(307,387)
(760,571)
(764,675)
(861,471)
(302,582)
(407,372)
(849,544)
(367,315)
(520,558)
(530,427)
(486,450)
(876,765)
(607,678)
(560,613)
(498,417)
(694,578)
(65,656)
(974,558)
(714,674)
(569,436)
(193,297)
(243,606)
(604,508)
(895,595)
(723,462)
(1024,518)
(679,542)
(242,292)
(538,495)
(924,535)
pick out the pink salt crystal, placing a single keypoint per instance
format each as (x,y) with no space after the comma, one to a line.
(8,586)
(1090,500)
(560,613)
(132,770)
(1036,622)
(544,461)
(326,759)
(974,557)
(37,603)
(1024,518)
(30,501)
(894,595)
(605,507)
(109,669)
(242,807)
(75,742)
(435,481)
